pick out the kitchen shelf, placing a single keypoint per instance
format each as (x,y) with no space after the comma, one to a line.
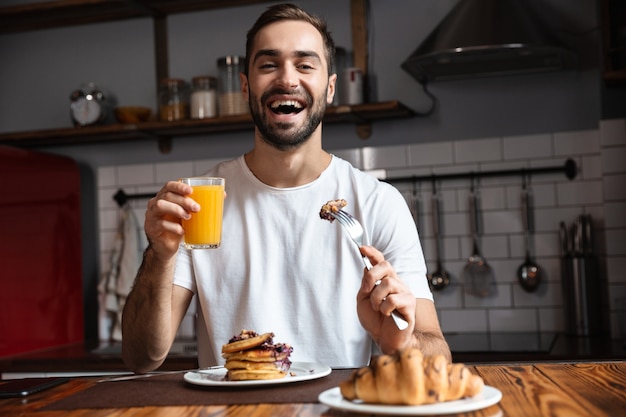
(362,115)
(62,13)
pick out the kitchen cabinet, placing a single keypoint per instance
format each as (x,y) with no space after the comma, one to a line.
(63,13)
(614,41)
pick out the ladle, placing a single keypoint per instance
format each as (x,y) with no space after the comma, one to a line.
(529,273)
(440,278)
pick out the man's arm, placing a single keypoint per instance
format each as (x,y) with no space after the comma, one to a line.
(155,306)
(153,311)
(381,292)
(427,334)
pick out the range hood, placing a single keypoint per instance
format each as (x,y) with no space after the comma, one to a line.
(480,38)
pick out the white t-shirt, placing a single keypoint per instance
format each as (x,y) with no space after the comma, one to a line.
(283,269)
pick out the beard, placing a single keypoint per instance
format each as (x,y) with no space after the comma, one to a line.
(285,136)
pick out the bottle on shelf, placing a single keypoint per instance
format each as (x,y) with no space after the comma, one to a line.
(203,99)
(173,99)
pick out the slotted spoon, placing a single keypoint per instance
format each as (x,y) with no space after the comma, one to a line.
(355,231)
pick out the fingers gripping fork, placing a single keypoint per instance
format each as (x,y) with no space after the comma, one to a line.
(355,231)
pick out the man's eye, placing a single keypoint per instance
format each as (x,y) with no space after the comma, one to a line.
(267,65)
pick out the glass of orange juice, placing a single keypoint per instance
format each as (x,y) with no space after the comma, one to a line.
(204,229)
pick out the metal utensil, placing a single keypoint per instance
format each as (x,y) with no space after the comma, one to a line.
(478,275)
(440,278)
(529,274)
(157,373)
(564,239)
(355,231)
(413,200)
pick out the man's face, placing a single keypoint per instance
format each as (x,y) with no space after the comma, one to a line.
(288,86)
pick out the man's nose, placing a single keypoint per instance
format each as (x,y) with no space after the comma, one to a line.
(288,77)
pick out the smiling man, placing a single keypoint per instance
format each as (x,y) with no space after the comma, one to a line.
(288,85)
(280,268)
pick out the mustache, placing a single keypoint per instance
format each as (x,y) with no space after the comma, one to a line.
(295,92)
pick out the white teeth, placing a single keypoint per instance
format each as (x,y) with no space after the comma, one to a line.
(293,103)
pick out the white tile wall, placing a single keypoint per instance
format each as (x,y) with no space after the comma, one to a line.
(599,189)
(527,147)
(613,132)
(480,150)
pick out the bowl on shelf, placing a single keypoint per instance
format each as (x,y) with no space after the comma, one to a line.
(132,114)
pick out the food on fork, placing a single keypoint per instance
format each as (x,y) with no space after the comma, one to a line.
(332,206)
(253,356)
(410,378)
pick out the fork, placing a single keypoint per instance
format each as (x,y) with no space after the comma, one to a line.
(355,231)
(126,377)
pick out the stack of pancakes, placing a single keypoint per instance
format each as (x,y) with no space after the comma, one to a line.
(253,356)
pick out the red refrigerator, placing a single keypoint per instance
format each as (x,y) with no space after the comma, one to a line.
(41,285)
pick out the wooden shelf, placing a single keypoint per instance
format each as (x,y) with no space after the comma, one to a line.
(62,13)
(361,115)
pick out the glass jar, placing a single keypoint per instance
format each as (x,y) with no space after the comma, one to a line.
(231,100)
(173,99)
(203,100)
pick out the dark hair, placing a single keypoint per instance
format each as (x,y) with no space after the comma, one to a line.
(290,11)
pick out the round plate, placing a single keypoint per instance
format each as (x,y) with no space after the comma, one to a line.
(488,397)
(299,371)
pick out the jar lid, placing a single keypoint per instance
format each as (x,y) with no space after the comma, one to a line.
(203,78)
(172,82)
(230,60)
(204,81)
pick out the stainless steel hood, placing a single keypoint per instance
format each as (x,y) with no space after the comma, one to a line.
(480,38)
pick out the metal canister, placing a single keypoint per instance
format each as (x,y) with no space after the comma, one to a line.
(582,296)
(351,86)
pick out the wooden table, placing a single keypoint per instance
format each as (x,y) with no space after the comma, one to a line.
(542,389)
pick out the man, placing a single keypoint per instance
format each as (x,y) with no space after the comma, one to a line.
(281,268)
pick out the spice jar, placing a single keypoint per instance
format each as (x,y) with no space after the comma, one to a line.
(173,99)
(203,100)
(231,100)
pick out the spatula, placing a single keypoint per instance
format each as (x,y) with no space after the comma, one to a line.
(478,275)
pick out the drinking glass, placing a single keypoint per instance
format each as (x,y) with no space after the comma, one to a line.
(204,229)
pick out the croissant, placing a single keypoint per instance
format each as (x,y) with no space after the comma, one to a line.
(410,378)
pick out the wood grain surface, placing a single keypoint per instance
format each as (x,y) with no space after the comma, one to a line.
(545,389)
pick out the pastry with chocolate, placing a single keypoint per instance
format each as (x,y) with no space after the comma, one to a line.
(410,378)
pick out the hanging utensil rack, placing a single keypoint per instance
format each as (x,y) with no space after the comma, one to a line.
(569,168)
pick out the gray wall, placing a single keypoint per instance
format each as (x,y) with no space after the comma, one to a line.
(39,69)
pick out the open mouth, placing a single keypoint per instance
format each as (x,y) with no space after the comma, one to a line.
(286,107)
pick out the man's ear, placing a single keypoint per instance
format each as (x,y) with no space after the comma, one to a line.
(332,84)
(244,86)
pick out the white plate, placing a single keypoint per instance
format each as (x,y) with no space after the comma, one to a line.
(299,371)
(489,396)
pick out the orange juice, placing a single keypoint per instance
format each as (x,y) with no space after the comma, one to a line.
(204,229)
